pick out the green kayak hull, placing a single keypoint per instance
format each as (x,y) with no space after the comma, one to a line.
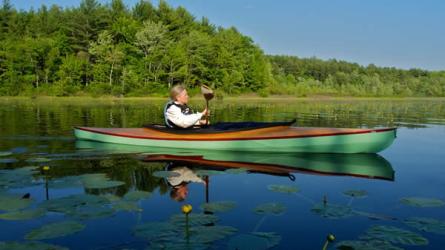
(285,140)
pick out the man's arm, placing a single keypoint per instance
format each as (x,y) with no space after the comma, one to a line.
(175,115)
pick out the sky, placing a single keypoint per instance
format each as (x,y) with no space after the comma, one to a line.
(393,33)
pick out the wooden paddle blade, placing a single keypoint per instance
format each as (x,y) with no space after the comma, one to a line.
(207,92)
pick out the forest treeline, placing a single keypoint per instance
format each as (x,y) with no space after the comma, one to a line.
(111,49)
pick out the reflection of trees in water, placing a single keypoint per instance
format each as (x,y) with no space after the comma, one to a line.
(135,174)
(41,118)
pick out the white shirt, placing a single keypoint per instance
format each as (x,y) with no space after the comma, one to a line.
(175,115)
(185,175)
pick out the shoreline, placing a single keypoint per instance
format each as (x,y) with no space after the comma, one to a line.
(241,98)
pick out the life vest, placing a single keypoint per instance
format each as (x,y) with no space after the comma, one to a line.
(186,110)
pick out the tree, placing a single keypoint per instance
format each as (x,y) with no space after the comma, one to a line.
(152,40)
(107,52)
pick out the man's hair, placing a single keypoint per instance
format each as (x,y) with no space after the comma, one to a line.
(175,196)
(175,91)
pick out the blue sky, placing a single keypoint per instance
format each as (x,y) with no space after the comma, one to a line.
(400,33)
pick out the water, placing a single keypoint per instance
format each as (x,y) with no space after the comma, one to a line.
(39,133)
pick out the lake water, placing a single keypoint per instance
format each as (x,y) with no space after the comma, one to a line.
(85,195)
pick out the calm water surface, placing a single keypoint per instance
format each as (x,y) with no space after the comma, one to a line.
(102,196)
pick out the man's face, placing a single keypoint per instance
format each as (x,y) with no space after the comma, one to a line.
(182,192)
(183,97)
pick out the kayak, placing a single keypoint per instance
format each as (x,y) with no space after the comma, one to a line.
(371,166)
(248,136)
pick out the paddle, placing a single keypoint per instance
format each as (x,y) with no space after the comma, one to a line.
(208,95)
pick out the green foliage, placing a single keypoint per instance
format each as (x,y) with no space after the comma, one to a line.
(302,77)
(113,50)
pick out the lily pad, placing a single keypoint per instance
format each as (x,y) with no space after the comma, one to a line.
(91,212)
(166,174)
(18,177)
(257,241)
(65,182)
(129,206)
(422,202)
(23,214)
(203,234)
(8,160)
(136,195)
(99,181)
(193,220)
(366,245)
(69,203)
(430,225)
(219,206)
(111,197)
(156,231)
(272,237)
(356,193)
(12,202)
(15,245)
(236,171)
(395,235)
(55,230)
(332,211)
(204,172)
(374,216)
(38,160)
(283,189)
(177,245)
(5,153)
(272,208)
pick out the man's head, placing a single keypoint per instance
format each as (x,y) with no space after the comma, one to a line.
(179,94)
(179,193)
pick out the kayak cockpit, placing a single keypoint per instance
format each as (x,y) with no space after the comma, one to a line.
(222,127)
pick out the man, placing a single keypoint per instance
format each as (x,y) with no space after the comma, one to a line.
(176,112)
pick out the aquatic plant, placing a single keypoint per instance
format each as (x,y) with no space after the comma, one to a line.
(34,245)
(55,230)
(26,214)
(218,206)
(136,195)
(69,203)
(271,208)
(205,172)
(283,189)
(366,245)
(256,240)
(12,202)
(129,206)
(430,225)
(99,181)
(422,202)
(179,220)
(332,211)
(394,235)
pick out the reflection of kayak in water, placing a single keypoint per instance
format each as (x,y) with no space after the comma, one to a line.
(248,136)
(359,165)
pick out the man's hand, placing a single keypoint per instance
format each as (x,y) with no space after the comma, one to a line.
(205,112)
(203,122)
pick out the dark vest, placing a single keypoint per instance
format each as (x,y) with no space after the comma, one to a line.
(186,110)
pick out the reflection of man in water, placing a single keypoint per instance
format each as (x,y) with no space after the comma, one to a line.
(179,183)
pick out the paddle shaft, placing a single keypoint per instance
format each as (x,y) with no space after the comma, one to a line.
(207,114)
